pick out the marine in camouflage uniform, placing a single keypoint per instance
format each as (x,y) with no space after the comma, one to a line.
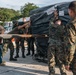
(19,41)
(1,46)
(11,47)
(7,43)
(71,44)
(5,46)
(55,51)
(71,39)
(5,49)
(30,42)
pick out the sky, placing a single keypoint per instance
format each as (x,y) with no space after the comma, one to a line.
(16,4)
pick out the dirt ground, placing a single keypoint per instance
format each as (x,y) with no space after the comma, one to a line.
(25,66)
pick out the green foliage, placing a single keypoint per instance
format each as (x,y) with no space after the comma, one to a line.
(8,14)
(25,10)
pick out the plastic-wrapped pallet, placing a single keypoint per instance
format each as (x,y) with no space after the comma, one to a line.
(40,22)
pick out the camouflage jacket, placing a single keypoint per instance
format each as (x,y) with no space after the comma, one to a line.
(1,31)
(56,33)
(71,40)
(71,32)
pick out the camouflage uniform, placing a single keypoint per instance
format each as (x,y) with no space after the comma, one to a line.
(30,42)
(71,44)
(11,47)
(5,45)
(55,50)
(1,44)
(19,41)
(1,29)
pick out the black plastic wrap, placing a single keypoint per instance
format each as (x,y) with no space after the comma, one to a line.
(40,24)
(40,19)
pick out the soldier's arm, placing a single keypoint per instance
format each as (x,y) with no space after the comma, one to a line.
(71,51)
(24,25)
(71,46)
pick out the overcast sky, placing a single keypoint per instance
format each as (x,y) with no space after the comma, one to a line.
(16,4)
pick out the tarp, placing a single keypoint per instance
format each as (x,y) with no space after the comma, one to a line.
(40,19)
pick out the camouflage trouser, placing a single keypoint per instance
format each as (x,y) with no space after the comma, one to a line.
(30,45)
(11,47)
(20,42)
(73,66)
(55,52)
(0,54)
(72,57)
(5,49)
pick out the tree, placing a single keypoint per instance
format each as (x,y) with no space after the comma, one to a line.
(8,14)
(25,10)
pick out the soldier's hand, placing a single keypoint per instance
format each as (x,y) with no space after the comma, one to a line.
(67,67)
(19,27)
